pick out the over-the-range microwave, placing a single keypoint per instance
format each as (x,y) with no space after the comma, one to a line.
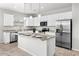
(43,23)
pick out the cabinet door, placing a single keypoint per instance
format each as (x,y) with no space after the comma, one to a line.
(36,21)
(66,15)
(8,20)
(26,21)
(30,22)
(51,47)
(51,20)
(44,18)
(6,37)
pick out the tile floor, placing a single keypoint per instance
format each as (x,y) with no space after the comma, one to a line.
(13,50)
(65,52)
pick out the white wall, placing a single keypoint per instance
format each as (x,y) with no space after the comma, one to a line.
(75,30)
(1,25)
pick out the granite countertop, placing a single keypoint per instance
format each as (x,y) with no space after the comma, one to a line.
(10,31)
(41,36)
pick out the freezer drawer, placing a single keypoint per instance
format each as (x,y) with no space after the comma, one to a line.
(63,40)
(66,40)
(58,39)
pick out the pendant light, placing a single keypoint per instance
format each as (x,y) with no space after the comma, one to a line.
(31,17)
(31,10)
(39,15)
(24,11)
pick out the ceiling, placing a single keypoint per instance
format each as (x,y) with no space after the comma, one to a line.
(34,8)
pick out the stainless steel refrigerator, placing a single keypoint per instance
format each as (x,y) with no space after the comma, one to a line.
(64,33)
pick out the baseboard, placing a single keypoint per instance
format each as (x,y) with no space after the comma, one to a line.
(6,42)
(75,49)
(27,51)
(1,42)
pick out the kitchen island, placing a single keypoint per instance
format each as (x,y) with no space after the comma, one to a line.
(37,44)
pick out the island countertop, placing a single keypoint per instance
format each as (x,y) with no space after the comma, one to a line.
(41,36)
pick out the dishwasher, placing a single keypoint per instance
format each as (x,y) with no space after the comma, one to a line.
(13,37)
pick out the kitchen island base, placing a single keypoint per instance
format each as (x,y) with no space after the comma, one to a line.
(35,46)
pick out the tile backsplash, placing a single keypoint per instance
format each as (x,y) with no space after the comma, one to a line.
(25,28)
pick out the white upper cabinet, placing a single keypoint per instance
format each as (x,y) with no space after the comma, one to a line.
(44,18)
(51,20)
(65,15)
(31,22)
(37,21)
(28,21)
(8,20)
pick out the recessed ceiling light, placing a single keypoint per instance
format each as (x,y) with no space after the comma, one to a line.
(14,6)
(39,15)
(24,18)
(34,10)
(30,17)
(42,7)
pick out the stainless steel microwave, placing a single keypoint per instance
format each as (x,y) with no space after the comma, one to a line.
(43,23)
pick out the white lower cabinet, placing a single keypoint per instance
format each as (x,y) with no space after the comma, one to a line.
(6,37)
